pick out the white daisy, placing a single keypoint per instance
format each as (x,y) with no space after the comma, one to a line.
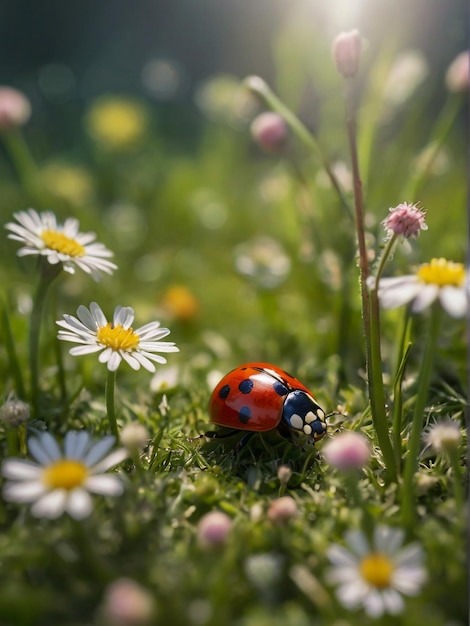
(42,235)
(116,340)
(439,278)
(60,481)
(376,576)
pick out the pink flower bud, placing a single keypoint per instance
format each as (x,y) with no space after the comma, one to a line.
(282,510)
(270,131)
(347,53)
(457,75)
(347,451)
(15,109)
(213,529)
(126,603)
(405,219)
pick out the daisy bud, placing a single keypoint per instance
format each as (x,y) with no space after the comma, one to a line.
(282,510)
(134,436)
(443,436)
(126,603)
(14,412)
(457,75)
(347,451)
(347,53)
(270,132)
(284,474)
(406,219)
(15,108)
(213,529)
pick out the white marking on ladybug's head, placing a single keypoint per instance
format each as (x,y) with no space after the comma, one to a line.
(296,422)
(321,414)
(307,429)
(310,417)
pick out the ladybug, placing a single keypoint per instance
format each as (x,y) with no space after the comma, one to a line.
(259,397)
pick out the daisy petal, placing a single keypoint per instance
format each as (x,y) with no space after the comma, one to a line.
(425,296)
(105,485)
(79,504)
(27,491)
(19,469)
(99,450)
(454,301)
(51,505)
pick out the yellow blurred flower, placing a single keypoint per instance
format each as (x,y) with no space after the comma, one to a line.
(68,182)
(180,303)
(117,122)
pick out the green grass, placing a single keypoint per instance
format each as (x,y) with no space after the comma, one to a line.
(177,216)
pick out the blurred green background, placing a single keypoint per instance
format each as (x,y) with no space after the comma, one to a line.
(265,267)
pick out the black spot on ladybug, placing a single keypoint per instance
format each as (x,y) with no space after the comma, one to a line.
(246,385)
(224,391)
(280,388)
(244,414)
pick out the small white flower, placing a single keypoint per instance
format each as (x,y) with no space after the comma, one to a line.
(438,279)
(443,436)
(376,576)
(42,235)
(116,340)
(60,480)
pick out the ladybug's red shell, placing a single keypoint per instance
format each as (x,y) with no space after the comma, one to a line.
(251,397)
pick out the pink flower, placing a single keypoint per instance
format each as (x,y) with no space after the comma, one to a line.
(347,53)
(405,219)
(457,75)
(282,509)
(213,529)
(15,109)
(347,451)
(126,603)
(270,131)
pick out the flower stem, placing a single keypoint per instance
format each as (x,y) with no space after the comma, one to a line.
(14,366)
(24,164)
(110,407)
(48,273)
(424,379)
(258,86)
(398,403)
(457,479)
(370,307)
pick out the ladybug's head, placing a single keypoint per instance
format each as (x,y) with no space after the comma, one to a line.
(304,416)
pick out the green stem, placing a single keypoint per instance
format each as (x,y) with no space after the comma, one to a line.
(48,273)
(384,257)
(398,403)
(13,362)
(110,407)
(24,164)
(424,380)
(457,479)
(370,307)
(258,86)
(61,378)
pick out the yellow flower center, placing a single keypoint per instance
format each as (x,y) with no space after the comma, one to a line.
(117,337)
(61,243)
(442,273)
(65,474)
(377,570)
